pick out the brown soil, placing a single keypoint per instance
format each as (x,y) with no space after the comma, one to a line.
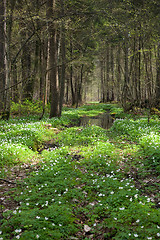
(14,176)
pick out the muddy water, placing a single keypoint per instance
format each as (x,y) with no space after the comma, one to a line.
(104,120)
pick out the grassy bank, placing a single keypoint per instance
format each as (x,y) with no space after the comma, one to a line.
(91,184)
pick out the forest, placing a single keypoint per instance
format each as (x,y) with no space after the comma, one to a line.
(79,119)
(79,50)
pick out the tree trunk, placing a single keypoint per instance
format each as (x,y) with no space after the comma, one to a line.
(11,71)
(102,81)
(36,82)
(53,74)
(79,87)
(107,74)
(112,74)
(118,72)
(2,58)
(63,67)
(15,93)
(27,83)
(126,75)
(157,100)
(71,77)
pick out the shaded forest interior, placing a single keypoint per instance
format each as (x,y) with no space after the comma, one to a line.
(77,51)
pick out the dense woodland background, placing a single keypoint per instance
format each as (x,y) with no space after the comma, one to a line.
(71,51)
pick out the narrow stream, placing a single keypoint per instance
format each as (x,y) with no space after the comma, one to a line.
(104,120)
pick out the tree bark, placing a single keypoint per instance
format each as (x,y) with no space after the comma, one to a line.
(102,81)
(112,74)
(26,70)
(107,74)
(53,74)
(2,55)
(118,72)
(157,100)
(126,74)
(63,53)
(71,77)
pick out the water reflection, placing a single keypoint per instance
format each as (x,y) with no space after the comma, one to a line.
(103,120)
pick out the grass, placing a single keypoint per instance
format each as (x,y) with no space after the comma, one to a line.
(92,186)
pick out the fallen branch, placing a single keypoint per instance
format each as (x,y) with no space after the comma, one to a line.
(4,180)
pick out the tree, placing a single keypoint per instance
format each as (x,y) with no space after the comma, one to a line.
(53,48)
(2,56)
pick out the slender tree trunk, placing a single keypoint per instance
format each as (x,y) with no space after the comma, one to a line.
(15,92)
(27,84)
(118,72)
(2,58)
(126,74)
(102,81)
(11,71)
(112,74)
(36,82)
(43,77)
(47,79)
(107,74)
(7,30)
(157,100)
(71,77)
(72,87)
(147,77)
(63,53)
(135,72)
(139,70)
(79,87)
(67,91)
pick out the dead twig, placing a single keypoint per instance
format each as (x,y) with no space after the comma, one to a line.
(4,180)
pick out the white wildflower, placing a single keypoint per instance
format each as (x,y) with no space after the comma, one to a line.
(18,230)
(136,235)
(122,208)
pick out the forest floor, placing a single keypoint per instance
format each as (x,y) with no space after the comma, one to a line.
(80,182)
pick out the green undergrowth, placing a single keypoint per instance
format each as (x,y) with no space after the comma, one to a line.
(87,187)
(81,136)
(144,134)
(20,136)
(67,193)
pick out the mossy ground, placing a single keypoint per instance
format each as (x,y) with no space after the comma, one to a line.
(89,183)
